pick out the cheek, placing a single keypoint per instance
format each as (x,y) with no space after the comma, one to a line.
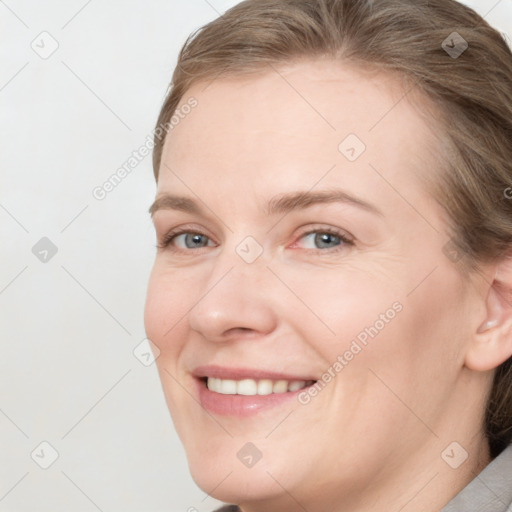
(419,353)
(165,325)
(339,305)
(164,312)
(406,327)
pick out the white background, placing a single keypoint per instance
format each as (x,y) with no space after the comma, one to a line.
(68,375)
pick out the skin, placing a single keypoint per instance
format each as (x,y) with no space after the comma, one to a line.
(372,439)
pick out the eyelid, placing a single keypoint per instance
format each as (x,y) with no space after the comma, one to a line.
(334,231)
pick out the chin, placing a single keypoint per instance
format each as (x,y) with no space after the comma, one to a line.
(223,476)
(240,486)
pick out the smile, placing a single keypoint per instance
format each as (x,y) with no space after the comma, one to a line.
(245,392)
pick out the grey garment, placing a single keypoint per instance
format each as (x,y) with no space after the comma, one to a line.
(490,491)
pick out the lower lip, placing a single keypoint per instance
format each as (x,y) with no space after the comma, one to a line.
(241,405)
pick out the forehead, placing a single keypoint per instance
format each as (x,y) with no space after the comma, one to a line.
(293,123)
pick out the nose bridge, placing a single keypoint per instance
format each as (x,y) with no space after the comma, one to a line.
(236,294)
(241,263)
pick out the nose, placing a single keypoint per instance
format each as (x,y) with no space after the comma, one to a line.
(236,301)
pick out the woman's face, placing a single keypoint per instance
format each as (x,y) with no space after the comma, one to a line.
(306,249)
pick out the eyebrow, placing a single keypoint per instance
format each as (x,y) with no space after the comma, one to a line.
(284,203)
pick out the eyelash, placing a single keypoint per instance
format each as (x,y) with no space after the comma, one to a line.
(166,242)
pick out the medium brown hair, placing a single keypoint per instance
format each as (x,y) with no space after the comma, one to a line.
(472,93)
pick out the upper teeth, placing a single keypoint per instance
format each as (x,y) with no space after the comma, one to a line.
(253,387)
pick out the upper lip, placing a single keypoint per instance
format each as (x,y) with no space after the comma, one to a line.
(239,373)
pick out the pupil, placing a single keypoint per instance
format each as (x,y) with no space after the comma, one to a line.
(196,240)
(325,239)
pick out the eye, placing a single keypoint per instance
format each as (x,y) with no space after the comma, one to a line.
(185,240)
(323,240)
(191,240)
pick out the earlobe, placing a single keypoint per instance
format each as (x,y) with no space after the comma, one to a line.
(492,342)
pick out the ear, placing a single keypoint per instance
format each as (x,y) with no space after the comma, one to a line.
(492,342)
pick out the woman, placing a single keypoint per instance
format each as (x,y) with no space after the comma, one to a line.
(331,291)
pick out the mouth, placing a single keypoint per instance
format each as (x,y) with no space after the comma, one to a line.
(245,392)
